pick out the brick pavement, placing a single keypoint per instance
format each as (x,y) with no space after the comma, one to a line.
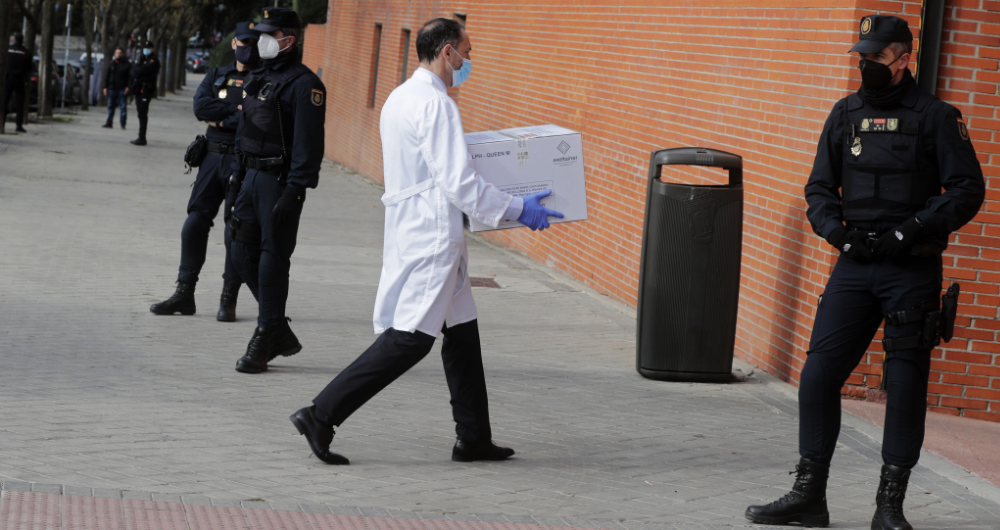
(99,398)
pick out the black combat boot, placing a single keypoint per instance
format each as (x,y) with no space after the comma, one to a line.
(891,491)
(227,302)
(805,504)
(182,301)
(284,342)
(254,361)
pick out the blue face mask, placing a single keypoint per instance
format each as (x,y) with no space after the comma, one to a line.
(459,76)
(147,52)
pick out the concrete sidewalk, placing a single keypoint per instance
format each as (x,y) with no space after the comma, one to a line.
(101,400)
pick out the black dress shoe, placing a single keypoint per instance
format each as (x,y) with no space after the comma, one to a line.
(182,301)
(254,361)
(138,141)
(227,302)
(284,342)
(470,452)
(318,435)
(107,126)
(20,129)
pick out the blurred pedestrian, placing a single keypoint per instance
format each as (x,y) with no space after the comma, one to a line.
(115,87)
(143,86)
(18,70)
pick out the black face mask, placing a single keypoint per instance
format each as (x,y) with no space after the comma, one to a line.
(248,54)
(875,75)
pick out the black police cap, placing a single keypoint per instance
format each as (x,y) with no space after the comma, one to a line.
(247,30)
(879,31)
(148,44)
(275,18)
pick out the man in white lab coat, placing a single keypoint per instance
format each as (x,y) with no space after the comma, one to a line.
(424,289)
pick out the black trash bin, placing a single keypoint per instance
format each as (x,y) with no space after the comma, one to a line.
(689,272)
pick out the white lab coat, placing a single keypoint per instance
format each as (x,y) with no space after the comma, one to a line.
(429,184)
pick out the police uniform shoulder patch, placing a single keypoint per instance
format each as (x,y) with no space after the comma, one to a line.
(317,97)
(963,130)
(866,25)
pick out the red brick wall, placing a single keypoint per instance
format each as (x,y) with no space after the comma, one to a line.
(728,74)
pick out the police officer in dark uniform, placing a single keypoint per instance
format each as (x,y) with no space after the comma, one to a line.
(875,195)
(279,150)
(18,70)
(216,103)
(144,74)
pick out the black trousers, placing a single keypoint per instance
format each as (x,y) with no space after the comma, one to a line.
(207,194)
(849,314)
(142,110)
(393,353)
(14,86)
(264,266)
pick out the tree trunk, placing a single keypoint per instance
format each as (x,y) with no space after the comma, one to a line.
(179,61)
(107,44)
(88,63)
(5,12)
(161,82)
(29,42)
(45,93)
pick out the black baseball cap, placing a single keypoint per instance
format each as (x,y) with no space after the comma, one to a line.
(275,18)
(247,30)
(878,31)
(148,44)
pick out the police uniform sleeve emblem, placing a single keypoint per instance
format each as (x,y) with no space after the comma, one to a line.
(866,26)
(963,130)
(317,97)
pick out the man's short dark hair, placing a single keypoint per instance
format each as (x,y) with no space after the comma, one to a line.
(293,32)
(120,48)
(899,48)
(435,35)
(18,38)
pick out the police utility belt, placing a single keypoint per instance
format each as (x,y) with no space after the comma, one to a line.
(271,165)
(195,153)
(937,325)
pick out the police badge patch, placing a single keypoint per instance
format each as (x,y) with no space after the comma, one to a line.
(223,93)
(963,131)
(856,147)
(317,97)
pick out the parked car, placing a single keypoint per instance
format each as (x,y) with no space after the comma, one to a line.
(197,63)
(96,57)
(72,91)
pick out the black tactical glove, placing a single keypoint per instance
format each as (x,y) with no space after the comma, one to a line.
(851,243)
(232,191)
(289,205)
(899,240)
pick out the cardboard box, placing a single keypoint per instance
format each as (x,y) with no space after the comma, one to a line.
(527,160)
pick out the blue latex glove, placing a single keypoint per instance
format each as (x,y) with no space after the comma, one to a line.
(534,215)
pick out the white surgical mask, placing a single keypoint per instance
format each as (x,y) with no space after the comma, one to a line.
(268,46)
(462,73)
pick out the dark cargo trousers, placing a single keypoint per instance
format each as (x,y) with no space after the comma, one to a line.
(207,194)
(849,314)
(264,266)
